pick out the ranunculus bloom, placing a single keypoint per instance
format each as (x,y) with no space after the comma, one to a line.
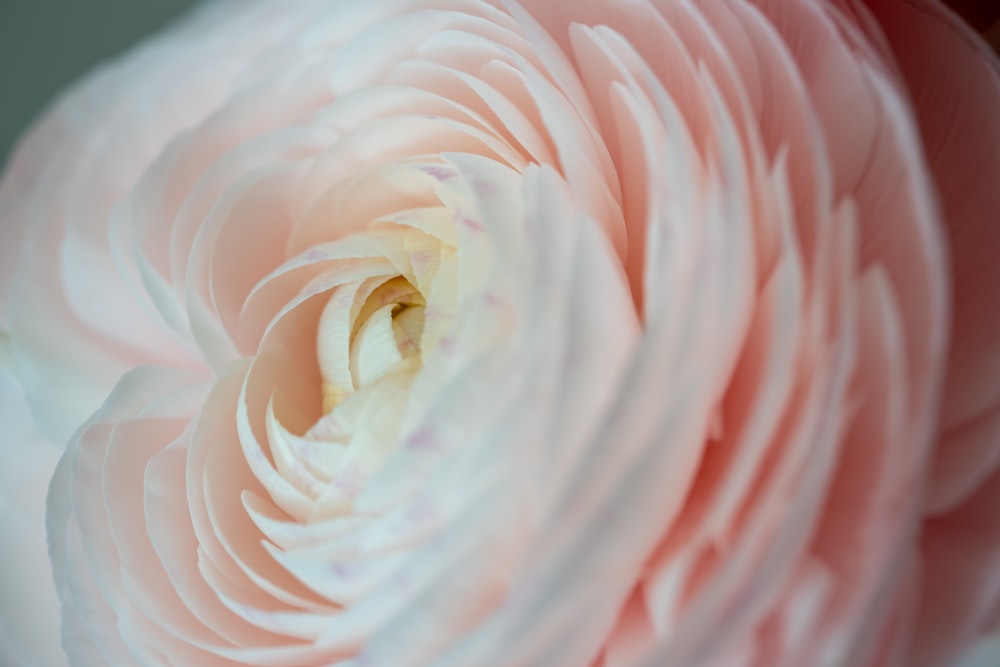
(575,333)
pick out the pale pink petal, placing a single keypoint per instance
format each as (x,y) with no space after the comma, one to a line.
(77,313)
(672,304)
(29,607)
(954,79)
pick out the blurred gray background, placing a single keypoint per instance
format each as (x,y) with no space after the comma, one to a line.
(46,44)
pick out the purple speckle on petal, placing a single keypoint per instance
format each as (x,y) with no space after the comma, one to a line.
(342,570)
(314,288)
(349,480)
(316,255)
(484,188)
(439,173)
(401,580)
(423,439)
(343,298)
(447,344)
(472,225)
(250,613)
(493,301)
(422,511)
(422,258)
(326,428)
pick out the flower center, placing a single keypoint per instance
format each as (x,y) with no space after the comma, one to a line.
(369,329)
(393,292)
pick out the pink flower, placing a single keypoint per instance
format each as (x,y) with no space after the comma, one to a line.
(570,333)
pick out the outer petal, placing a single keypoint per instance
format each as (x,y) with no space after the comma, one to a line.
(77,313)
(985,653)
(954,79)
(29,609)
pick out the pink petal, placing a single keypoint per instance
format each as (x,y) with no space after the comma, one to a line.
(29,607)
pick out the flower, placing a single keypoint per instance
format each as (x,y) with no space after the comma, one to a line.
(453,332)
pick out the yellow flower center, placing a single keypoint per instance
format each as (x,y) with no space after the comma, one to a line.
(381,329)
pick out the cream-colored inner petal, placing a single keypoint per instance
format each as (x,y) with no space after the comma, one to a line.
(368,329)
(371,340)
